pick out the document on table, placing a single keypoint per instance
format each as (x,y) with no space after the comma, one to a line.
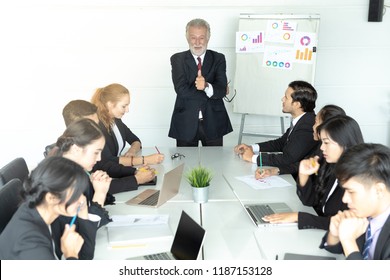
(137,220)
(134,230)
(266,183)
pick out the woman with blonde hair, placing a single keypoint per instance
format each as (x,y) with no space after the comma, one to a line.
(112,103)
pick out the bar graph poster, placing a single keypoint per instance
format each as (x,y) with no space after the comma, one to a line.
(305,47)
(288,41)
(249,42)
(281,31)
(278,57)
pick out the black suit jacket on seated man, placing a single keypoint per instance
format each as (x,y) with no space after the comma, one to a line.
(382,248)
(189,100)
(293,146)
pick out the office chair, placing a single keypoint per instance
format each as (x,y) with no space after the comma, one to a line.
(10,199)
(17,168)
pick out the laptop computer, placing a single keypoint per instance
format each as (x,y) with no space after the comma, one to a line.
(155,198)
(256,211)
(187,243)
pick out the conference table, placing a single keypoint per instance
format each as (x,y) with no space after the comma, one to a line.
(230,234)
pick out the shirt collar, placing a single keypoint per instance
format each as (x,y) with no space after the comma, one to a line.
(295,120)
(196,57)
(378,222)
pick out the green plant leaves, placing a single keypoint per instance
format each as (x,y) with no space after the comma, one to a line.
(199,177)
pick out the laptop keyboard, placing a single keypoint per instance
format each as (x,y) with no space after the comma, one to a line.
(160,256)
(151,200)
(260,211)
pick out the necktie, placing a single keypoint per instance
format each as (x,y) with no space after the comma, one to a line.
(199,63)
(199,68)
(368,243)
(291,126)
(290,129)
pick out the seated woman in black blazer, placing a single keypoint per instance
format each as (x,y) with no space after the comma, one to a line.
(82,142)
(53,195)
(112,103)
(317,185)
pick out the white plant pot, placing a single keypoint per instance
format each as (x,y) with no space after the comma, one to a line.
(200,195)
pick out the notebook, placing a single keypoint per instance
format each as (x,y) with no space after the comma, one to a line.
(187,242)
(155,198)
(256,211)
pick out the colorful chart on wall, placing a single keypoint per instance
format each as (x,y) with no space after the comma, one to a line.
(272,51)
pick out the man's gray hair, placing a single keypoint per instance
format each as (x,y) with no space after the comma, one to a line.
(198,22)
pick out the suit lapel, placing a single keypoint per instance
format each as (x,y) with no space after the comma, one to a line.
(207,63)
(190,62)
(382,238)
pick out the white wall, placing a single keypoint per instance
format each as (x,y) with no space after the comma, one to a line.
(54,51)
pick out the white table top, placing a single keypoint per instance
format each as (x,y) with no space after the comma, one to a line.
(229,232)
(155,245)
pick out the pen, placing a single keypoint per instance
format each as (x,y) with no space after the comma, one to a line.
(313,164)
(157,149)
(261,164)
(75,216)
(142,169)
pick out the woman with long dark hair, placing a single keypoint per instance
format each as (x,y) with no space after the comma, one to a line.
(83,142)
(317,185)
(53,194)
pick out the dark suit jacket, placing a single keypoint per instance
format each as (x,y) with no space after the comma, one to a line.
(307,194)
(294,147)
(110,159)
(123,176)
(27,237)
(189,100)
(382,247)
(293,168)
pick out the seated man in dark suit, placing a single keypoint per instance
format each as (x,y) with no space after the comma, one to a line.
(297,142)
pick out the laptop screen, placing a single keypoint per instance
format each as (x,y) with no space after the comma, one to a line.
(188,239)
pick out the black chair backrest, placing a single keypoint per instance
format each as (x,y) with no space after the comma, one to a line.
(10,199)
(14,169)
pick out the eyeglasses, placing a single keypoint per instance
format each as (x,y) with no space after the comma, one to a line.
(231,99)
(227,92)
(177,155)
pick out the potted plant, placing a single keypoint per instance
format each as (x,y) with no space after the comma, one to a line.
(199,178)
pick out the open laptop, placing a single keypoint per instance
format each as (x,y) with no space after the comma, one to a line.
(155,198)
(187,243)
(256,211)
